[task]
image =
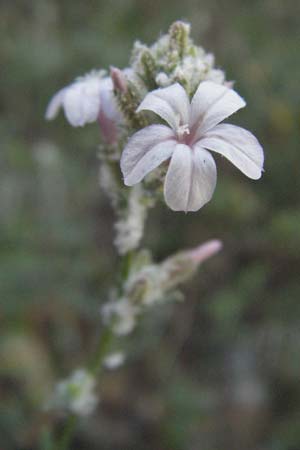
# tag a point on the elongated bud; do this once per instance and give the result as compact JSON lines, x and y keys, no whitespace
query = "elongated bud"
{"x":128,"y":103}
{"x":183,"y":265}
{"x":199,"y":254}
{"x":149,"y":68}
{"x":118,"y":79}
{"x":179,"y":33}
{"x":155,"y":280}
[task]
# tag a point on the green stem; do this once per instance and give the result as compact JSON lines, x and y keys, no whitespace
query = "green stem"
{"x":101,"y":351}
{"x":126,"y":264}
{"x":68,"y":432}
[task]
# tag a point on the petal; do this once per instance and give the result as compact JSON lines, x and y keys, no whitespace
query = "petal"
{"x":190,"y":180}
{"x":152,"y":159}
{"x":55,"y":104}
{"x":140,"y":143}
{"x":91,"y":100}
{"x":211,"y":104}
{"x":82,"y":102}
{"x":73,"y":105}
{"x":204,"y":179}
{"x":178,"y":178}
{"x":239,"y":146}
{"x":109,"y":104}
{"x":170,"y":103}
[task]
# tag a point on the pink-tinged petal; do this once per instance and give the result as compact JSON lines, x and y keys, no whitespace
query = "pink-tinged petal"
{"x":55,"y":104}
{"x":211,"y":104}
{"x":170,"y":103}
{"x":140,"y":143}
{"x":190,"y":180}
{"x":239,"y":146}
{"x":152,"y":159}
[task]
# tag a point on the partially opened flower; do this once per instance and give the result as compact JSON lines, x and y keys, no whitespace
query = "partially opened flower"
{"x":88,"y":99}
{"x":194,"y":128}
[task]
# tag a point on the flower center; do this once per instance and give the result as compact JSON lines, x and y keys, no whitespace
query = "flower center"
{"x":182,"y":131}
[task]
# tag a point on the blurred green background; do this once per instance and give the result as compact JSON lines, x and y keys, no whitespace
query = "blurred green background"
{"x":222,"y":370}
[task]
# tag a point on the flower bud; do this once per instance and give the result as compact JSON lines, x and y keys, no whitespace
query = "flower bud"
{"x":118,"y":79}
{"x":182,"y":266}
{"x":204,"y":251}
{"x":153,"y":281}
{"x":179,"y":33}
{"x":148,"y":65}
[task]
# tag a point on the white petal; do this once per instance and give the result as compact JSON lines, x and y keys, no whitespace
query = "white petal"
{"x":211,"y":104}
{"x":170,"y":103}
{"x":140,"y":143}
{"x":190,"y":180}
{"x":239,"y":146}
{"x":178,"y":178}
{"x":204,"y":179}
{"x":108,"y":101}
{"x":82,"y":102}
{"x":55,"y":104}
{"x":152,"y":159}
{"x":73,"y":105}
{"x":91,"y":98}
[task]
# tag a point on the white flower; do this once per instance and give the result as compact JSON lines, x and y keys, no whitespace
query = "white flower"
{"x":194,"y":128}
{"x":84,"y":100}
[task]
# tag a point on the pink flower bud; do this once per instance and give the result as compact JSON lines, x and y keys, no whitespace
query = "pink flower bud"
{"x":205,"y":251}
{"x":180,"y":267}
{"x":118,"y":79}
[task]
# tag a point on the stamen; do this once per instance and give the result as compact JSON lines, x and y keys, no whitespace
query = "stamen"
{"x":183,"y":130}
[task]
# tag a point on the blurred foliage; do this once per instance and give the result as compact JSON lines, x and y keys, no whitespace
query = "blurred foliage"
{"x":220,"y":371}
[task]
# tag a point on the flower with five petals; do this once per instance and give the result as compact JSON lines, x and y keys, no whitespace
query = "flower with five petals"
{"x":194,"y":130}
{"x":88,"y":99}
